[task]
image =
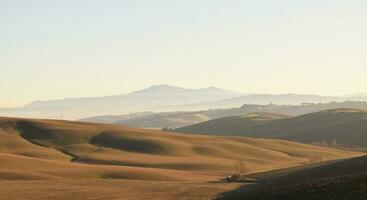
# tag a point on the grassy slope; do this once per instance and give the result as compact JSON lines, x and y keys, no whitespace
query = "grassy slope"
{"x":50,"y":153}
{"x":164,"y":120}
{"x":110,"y":189}
{"x":115,"y":145}
{"x":346,"y":126}
{"x":345,"y":179}
{"x":152,"y":120}
{"x":234,"y":125}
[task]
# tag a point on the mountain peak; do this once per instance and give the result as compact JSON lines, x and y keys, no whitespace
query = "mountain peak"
{"x":161,"y":88}
{"x":212,"y":88}
{"x":164,"y":88}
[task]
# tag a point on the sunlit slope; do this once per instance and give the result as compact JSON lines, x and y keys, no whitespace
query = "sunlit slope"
{"x":58,"y":149}
{"x":12,"y":142}
{"x":14,"y":167}
{"x":339,"y":126}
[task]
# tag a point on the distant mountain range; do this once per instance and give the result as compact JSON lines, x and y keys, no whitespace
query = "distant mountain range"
{"x":159,"y":98}
{"x":155,"y":98}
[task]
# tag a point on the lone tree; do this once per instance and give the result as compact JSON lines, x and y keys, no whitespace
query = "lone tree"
{"x":239,"y":171}
{"x":239,"y":167}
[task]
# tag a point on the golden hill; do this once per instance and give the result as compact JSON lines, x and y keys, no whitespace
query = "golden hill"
{"x":54,"y":151}
{"x":111,"y":145}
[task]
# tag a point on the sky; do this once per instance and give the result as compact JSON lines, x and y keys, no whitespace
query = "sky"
{"x":51,"y":49}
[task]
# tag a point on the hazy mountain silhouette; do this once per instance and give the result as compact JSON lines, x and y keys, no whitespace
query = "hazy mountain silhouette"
{"x":150,"y":99}
{"x":159,"y":98}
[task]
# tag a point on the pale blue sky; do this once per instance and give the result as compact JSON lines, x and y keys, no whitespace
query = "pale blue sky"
{"x":53,"y":49}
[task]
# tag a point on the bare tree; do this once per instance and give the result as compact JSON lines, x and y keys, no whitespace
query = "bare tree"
{"x":239,"y":171}
{"x":334,"y":142}
{"x":239,"y":167}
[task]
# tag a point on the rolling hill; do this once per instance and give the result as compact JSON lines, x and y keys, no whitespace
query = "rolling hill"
{"x":232,"y":125}
{"x":344,"y":180}
{"x":347,"y":127}
{"x":66,"y":156}
{"x":180,"y":119}
{"x":152,"y":120}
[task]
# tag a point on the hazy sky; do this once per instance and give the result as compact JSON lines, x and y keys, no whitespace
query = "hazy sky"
{"x":69,"y":48}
